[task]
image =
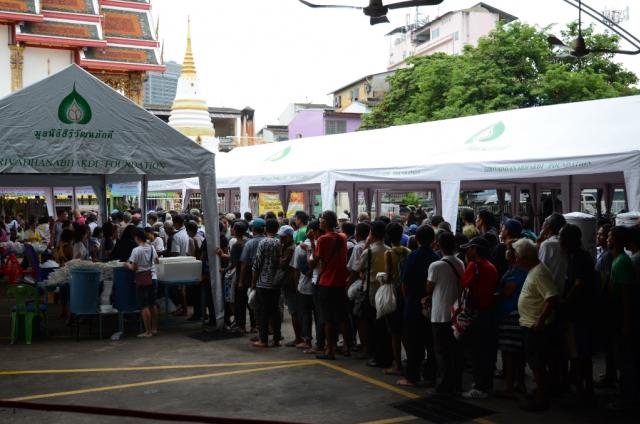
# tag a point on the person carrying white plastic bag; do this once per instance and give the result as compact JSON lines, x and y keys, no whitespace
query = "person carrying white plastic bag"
{"x":386,"y":302}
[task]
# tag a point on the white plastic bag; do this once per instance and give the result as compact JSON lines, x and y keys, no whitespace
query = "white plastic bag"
{"x":253,"y":302}
{"x":385,"y":300}
{"x":354,"y":289}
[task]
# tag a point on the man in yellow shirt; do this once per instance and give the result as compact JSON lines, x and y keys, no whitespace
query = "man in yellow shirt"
{"x":536,"y":304}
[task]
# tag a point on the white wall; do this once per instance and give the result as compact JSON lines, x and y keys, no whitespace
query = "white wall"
{"x":5,"y":58}
{"x":40,"y":63}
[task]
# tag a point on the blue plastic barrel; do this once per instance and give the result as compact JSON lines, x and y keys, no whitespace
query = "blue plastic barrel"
{"x":84,"y":290}
{"x":124,"y":290}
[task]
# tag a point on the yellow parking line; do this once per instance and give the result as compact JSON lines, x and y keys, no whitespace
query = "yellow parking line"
{"x":156,"y":382}
{"x":370,"y":380}
{"x":151,"y":368}
{"x":403,"y":419}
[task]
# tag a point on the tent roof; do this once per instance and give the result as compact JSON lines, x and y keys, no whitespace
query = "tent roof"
{"x":576,"y":138}
{"x":72,"y":123}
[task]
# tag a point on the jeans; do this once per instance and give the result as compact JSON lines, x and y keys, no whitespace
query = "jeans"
{"x":305,"y":311}
{"x":481,"y":345}
{"x":320,"y":341}
{"x":414,"y":334}
{"x":268,"y":312}
{"x":449,"y":358}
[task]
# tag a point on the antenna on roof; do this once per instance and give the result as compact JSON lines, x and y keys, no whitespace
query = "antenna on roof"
{"x":616,"y":16}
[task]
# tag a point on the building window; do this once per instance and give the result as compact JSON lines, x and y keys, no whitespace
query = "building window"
{"x":435,"y":33}
{"x":337,"y":102}
{"x":335,"y":126}
{"x":355,"y":93}
{"x":456,"y":35}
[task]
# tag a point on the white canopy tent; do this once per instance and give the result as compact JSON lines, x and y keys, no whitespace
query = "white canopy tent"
{"x":584,"y":138}
{"x":71,"y":129}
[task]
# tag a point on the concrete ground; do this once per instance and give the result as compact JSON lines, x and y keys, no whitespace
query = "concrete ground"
{"x":174,"y":373}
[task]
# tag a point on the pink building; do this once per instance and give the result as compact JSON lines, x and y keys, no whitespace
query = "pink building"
{"x":448,"y":33}
{"x":318,"y":122}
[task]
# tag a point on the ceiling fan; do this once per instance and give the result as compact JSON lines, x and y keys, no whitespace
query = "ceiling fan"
{"x":579,"y":48}
{"x":377,"y":11}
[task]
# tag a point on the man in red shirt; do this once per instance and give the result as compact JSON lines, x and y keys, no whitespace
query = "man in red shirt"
{"x":331,"y":252}
{"x":481,"y":277}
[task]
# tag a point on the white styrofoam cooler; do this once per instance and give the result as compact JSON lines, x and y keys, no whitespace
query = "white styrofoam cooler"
{"x":183,"y":268}
{"x":588,"y":226}
{"x":628,"y":219}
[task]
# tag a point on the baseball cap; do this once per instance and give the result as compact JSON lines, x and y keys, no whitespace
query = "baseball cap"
{"x":480,"y":242}
{"x":343,"y":217}
{"x":285,"y":230}
{"x":258,"y":223}
{"x":230,"y":217}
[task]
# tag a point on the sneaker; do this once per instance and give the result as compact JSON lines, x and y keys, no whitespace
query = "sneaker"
{"x":475,"y":394}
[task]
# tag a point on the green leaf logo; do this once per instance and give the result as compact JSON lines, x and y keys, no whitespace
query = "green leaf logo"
{"x":487,"y":134}
{"x":74,"y":109}
{"x":279,"y":156}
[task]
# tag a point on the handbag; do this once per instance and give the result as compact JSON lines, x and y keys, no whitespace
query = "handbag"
{"x":143,"y":278}
{"x":463,"y":313}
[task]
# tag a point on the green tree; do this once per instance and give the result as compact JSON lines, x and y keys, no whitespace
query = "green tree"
{"x":513,"y":67}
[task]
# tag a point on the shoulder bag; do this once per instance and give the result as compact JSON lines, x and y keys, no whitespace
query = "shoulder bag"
{"x":361,"y":301}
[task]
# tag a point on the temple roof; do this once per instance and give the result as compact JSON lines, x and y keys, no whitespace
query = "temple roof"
{"x":61,"y":32}
{"x":87,"y":7}
{"x":26,"y":10}
{"x":120,"y":58}
{"x":129,"y":26}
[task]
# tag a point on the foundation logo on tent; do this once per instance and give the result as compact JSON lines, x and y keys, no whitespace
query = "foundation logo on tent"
{"x":74,"y":109}
{"x":279,"y":155}
{"x":487,"y":138}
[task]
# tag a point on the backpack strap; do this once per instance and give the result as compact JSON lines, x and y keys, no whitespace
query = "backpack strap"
{"x":452,"y":267}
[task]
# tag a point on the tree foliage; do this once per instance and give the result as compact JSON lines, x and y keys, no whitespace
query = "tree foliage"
{"x":513,"y":67}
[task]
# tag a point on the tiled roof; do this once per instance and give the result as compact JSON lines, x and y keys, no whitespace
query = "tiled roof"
{"x":132,"y":24}
{"x":70,"y":6}
{"x":61,"y":32}
{"x":20,"y":9}
{"x":121,"y":58}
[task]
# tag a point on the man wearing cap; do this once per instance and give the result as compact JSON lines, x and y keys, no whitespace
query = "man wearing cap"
{"x":180,"y":243}
{"x":285,"y":234}
{"x":228,"y":223}
{"x":480,"y":339}
{"x":550,"y":252}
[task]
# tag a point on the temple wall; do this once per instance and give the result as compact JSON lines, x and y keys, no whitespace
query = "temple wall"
{"x":39,"y":63}
{"x":5,"y":61}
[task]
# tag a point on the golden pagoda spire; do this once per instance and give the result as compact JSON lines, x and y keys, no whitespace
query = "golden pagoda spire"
{"x":188,"y":65}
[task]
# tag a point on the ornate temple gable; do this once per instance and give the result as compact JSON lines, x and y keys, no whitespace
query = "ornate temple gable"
{"x":121,"y":58}
{"x":23,"y":10}
{"x":127,"y":26}
{"x":61,"y":32}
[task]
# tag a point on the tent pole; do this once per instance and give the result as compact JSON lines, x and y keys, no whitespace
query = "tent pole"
{"x":143,"y":199}
{"x":105,"y":201}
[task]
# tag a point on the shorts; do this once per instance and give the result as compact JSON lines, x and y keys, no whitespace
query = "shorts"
{"x":230,"y":289}
{"x":333,"y":304}
{"x":292,"y":301}
{"x":536,"y":347}
{"x":146,"y":296}
{"x":394,"y":323}
{"x":510,"y":333}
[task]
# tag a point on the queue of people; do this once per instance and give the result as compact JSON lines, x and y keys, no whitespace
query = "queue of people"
{"x":540,"y":301}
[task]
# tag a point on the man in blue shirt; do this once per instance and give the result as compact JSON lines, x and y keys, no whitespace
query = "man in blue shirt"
{"x":416,"y":327}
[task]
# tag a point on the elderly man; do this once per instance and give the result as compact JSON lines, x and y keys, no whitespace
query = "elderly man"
{"x":536,"y":304}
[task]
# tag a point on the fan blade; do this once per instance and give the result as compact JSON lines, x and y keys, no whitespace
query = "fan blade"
{"x":555,"y":41}
{"x":333,"y":6}
{"x":414,"y":3}
{"x":375,"y":20}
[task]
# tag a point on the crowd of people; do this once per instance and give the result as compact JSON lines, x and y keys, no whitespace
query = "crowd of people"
{"x":457,"y":300}
{"x":460,"y":300}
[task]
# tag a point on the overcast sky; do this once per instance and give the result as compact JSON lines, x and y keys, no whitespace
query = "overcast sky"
{"x":269,"y":53}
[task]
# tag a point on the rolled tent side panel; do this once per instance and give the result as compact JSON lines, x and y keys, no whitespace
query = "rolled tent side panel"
{"x":632,"y":183}
{"x":51,"y":210}
{"x":327,"y":191}
{"x":244,"y":199}
{"x":210,"y":208}
{"x":100,"y":190}
{"x":450,"y":192}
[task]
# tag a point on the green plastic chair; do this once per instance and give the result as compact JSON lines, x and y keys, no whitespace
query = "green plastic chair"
{"x":27,"y":306}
